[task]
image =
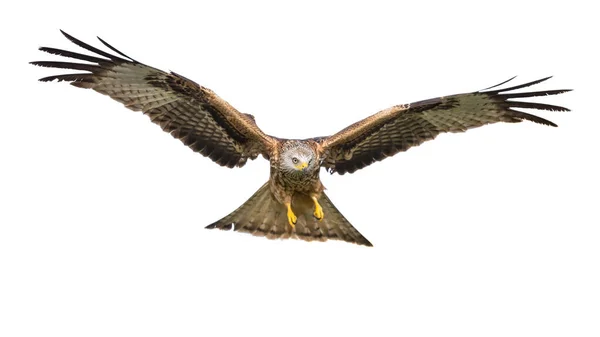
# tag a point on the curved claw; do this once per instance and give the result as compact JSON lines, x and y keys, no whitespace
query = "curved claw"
{"x":291,"y":216}
{"x":318,"y":210}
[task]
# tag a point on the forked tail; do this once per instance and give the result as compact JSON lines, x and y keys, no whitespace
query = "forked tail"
{"x":263,"y":215}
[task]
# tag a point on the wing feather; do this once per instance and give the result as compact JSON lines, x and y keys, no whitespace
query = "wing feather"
{"x":189,"y":112}
{"x":403,"y":126}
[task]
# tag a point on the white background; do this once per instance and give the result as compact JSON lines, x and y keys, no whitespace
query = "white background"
{"x":493,"y":232}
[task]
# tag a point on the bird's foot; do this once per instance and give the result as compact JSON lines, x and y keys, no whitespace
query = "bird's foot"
{"x":318,"y":210}
{"x":291,"y":216}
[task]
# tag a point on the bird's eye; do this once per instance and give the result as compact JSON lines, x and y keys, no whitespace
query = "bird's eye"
{"x":295,"y":160}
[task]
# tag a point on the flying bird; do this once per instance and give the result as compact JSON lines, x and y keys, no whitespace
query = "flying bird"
{"x":292,"y":203}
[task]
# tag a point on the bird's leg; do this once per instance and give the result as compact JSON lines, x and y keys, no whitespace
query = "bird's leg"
{"x":290,"y":215}
{"x":318,"y":209}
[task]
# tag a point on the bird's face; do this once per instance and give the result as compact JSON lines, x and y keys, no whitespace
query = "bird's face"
{"x":299,"y":159}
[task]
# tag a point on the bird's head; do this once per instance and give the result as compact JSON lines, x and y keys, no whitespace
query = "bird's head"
{"x":298,"y":157}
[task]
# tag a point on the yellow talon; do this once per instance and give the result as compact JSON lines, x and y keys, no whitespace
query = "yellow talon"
{"x":291,"y":216}
{"x":318,"y":210}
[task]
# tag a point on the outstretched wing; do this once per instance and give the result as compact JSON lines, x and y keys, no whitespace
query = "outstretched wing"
{"x":403,"y":126}
{"x":192,"y":113}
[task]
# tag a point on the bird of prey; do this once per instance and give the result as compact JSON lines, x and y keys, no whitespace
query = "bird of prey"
{"x":292,"y":203}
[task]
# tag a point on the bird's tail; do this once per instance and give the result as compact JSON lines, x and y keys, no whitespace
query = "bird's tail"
{"x":263,"y":215}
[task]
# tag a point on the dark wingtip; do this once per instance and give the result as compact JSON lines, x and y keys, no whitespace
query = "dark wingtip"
{"x":66,"y":35}
{"x":115,"y":49}
{"x":96,"y":50}
{"x":499,"y":84}
{"x":520,"y":115}
{"x":43,"y":79}
{"x":497,"y":91}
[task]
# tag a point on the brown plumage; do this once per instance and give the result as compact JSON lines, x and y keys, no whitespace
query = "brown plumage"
{"x":292,"y":202}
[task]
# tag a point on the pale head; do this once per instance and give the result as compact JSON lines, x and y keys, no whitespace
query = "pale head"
{"x":298,"y":157}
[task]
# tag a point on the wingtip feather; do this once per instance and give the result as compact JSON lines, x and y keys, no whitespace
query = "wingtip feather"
{"x":115,"y":49}
{"x":499,"y":84}
{"x":528,"y":84}
{"x":68,"y":36}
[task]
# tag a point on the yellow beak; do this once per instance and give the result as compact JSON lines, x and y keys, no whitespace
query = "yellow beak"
{"x":301,"y":166}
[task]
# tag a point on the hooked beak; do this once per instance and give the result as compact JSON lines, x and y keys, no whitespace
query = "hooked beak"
{"x":302,"y":166}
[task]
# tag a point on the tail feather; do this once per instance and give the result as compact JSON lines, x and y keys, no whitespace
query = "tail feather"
{"x":262,"y":215}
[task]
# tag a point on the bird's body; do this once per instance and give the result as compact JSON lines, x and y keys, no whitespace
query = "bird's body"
{"x":292,"y":203}
{"x":287,"y":177}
